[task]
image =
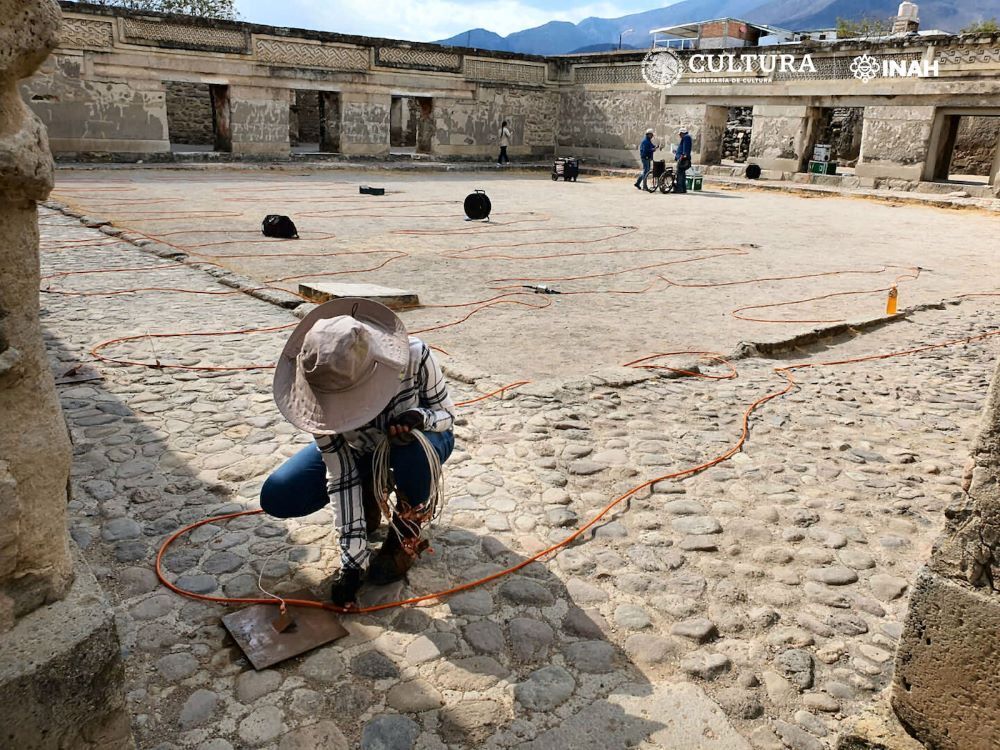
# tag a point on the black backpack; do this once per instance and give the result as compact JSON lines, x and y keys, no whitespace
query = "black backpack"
{"x":275,"y":225}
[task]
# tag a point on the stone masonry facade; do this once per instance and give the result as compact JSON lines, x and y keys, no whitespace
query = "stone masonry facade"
{"x":109,"y":89}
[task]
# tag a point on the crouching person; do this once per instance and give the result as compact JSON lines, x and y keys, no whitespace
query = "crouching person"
{"x":351,"y":377}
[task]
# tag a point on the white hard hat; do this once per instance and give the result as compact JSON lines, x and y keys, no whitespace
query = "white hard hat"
{"x":650,"y":131}
{"x":683,"y":130}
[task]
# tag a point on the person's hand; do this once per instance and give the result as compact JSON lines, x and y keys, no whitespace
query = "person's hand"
{"x":406,"y":423}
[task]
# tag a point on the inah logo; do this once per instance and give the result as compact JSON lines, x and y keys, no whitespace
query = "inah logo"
{"x":661,"y":69}
{"x":865,"y":67}
{"x":868,"y":67}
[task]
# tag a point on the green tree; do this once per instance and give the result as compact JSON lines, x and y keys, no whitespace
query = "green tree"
{"x":864,"y":27}
{"x":986,"y":26}
{"x":204,"y":8}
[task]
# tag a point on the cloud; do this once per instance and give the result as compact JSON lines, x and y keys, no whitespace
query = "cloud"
{"x":425,"y":20}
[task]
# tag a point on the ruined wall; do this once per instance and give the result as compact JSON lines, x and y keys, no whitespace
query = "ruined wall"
{"x":976,"y":145}
{"x":104,"y":93}
{"x":86,"y":113}
{"x":364,"y":128}
{"x":895,"y":141}
{"x":947,"y":684}
{"x":467,"y":127}
{"x":259,"y":120}
{"x":782,"y":137}
{"x":189,"y":113}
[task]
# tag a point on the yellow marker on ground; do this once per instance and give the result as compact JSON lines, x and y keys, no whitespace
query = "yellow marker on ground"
{"x":890,"y":304}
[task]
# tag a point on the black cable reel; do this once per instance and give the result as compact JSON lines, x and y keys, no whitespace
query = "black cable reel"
{"x":478,"y":206}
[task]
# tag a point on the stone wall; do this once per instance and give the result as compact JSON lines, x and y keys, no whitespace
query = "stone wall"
{"x":976,"y":145}
{"x":465,"y":127}
{"x":783,"y":137}
{"x":365,"y":124}
{"x":947,"y":683}
{"x":97,"y":114}
{"x":104,"y":93}
{"x":604,"y":123}
{"x":189,"y":113}
{"x":895,"y":141}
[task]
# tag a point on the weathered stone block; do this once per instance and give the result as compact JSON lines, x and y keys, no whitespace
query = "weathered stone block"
{"x":61,"y":675}
{"x":947,"y":683}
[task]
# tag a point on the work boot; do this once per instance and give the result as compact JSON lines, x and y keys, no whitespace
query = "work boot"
{"x":344,"y":590}
{"x":395,"y":558}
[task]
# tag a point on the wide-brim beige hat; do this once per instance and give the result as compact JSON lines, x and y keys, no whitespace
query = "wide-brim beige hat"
{"x":341,"y":366}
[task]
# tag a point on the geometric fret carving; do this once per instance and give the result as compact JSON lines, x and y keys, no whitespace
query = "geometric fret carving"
{"x":610,"y":74}
{"x":136,"y":31}
{"x":507,"y":72}
{"x":311,"y":55}
{"x":79,"y":32}
{"x":968,"y":53}
{"x":404,"y":57}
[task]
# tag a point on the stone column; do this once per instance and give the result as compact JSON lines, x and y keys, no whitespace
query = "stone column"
{"x":782,"y":137}
{"x":947,"y":682}
{"x":364,"y":124}
{"x":713,"y":132}
{"x":60,"y":663}
{"x":35,"y":565}
{"x":896,"y":142}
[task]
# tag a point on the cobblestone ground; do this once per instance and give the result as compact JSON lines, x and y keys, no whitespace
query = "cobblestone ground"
{"x":755,"y":605}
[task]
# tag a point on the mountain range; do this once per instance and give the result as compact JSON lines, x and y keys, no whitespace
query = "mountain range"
{"x":598,"y":34}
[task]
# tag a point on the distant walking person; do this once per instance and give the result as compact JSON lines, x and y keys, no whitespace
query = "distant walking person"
{"x":683,"y":157}
{"x":646,"y":150}
{"x":504,"y":143}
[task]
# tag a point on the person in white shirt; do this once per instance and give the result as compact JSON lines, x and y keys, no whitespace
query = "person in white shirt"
{"x":504,"y":143}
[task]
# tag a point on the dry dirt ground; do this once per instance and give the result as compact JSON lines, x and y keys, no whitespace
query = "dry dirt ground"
{"x":621,"y":258}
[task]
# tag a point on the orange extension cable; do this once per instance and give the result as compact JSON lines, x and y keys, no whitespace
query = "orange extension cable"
{"x":647,"y":362}
{"x":786,"y":372}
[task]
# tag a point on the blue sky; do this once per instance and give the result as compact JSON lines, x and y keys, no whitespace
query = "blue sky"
{"x":427,"y":20}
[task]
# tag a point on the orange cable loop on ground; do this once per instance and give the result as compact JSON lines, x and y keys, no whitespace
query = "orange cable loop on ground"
{"x":785,"y":372}
{"x":95,"y":352}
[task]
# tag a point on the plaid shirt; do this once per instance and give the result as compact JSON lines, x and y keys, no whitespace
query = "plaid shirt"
{"x":422,"y":387}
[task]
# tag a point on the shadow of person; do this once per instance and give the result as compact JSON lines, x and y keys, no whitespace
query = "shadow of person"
{"x":515,"y":662}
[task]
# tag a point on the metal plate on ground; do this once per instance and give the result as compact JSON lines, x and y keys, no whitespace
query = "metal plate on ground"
{"x":254,"y":632}
{"x":394,"y":299}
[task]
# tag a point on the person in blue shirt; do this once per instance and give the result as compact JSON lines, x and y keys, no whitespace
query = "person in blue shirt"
{"x":683,"y":157}
{"x":646,"y":149}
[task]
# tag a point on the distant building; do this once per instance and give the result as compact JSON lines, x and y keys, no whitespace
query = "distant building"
{"x":817,"y":35}
{"x":720,"y":33}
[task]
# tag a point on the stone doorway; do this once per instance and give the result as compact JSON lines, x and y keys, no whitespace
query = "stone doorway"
{"x":969,"y":150}
{"x":840,"y":129}
{"x":198,"y":117}
{"x":314,"y":121}
{"x":411,"y":129}
{"x":734,"y":136}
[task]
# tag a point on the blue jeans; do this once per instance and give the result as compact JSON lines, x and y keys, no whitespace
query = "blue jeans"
{"x":681,"y":179}
{"x":647,"y":164}
{"x":298,"y":486}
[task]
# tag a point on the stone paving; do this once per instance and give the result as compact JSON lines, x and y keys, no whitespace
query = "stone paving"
{"x":754,"y":605}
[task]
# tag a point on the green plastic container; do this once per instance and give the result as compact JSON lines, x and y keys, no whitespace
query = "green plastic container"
{"x":823,"y":167}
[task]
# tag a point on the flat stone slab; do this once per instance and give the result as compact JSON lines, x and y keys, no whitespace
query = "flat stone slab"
{"x":394,"y":299}
{"x":680,"y":715}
